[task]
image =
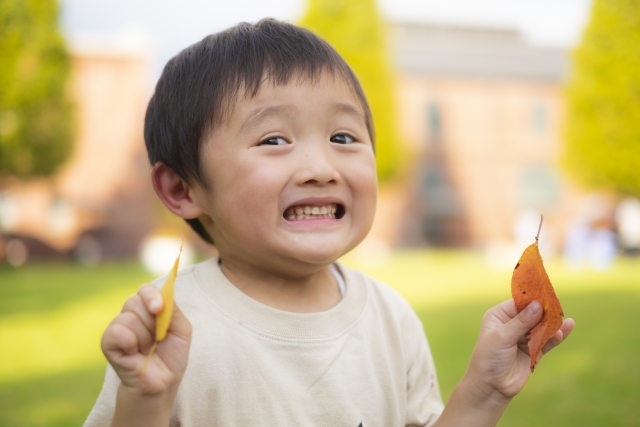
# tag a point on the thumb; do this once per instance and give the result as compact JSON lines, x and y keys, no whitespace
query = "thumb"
{"x":180,"y":325}
{"x":523,"y":322}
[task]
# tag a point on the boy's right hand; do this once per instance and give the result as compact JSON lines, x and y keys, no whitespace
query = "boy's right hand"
{"x":129,"y":337}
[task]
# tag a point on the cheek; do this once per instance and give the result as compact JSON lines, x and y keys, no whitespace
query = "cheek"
{"x":363,"y":181}
{"x":366,"y":178}
{"x":251,"y":191}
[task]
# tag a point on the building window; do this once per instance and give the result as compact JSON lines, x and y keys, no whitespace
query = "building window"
{"x":540,"y":119}
{"x":434,"y":122}
{"x":539,"y":187}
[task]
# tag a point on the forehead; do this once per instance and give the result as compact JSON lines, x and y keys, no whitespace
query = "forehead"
{"x":326,"y":90}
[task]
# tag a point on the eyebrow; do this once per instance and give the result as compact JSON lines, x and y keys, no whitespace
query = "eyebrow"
{"x":261,"y":114}
{"x":350,"y":110}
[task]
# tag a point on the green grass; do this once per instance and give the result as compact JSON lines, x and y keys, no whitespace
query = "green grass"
{"x":52,"y":316}
{"x":591,"y":380}
{"x":60,"y":400}
{"x":44,"y":288}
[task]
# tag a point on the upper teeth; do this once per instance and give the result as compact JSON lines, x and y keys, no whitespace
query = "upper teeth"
{"x":311,"y":212}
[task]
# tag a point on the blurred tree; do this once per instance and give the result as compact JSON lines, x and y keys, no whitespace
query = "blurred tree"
{"x":354,"y":28}
{"x":36,"y":126}
{"x":603,"y":126}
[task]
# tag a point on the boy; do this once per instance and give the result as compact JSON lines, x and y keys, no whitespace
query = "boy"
{"x":262,"y":139}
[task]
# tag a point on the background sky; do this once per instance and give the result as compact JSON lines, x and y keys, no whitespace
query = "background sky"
{"x":167,"y":26}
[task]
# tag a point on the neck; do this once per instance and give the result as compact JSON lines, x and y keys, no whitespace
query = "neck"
{"x":309,"y":293}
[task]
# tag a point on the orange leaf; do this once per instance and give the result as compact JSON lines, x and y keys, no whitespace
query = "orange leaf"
{"x":529,"y":283}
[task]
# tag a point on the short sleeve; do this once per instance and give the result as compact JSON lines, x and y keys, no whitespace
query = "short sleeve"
{"x":424,"y":402}
{"x":102,"y":413}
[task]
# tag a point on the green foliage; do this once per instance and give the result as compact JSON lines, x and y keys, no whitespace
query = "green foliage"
{"x":355,"y":29}
{"x":603,"y":127}
{"x":36,"y":128}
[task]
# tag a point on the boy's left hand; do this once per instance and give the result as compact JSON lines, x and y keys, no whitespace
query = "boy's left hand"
{"x":500,"y":364}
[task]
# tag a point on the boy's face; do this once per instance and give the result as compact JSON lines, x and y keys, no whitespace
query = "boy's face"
{"x":281,"y":160}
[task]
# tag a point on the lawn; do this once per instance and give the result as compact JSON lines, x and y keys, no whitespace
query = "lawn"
{"x":52,"y":316}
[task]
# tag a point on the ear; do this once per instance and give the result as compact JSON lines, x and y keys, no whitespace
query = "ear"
{"x":174,"y":192}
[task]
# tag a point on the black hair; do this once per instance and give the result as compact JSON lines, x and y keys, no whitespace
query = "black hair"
{"x":198,"y":87}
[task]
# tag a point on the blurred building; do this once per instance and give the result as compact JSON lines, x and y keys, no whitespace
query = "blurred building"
{"x":99,"y":204}
{"x":480,"y":109}
{"x":483,"y":111}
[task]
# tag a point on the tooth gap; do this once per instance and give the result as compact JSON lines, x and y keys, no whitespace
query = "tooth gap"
{"x":339,"y":212}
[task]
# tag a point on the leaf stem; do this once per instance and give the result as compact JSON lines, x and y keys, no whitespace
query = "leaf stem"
{"x":146,"y":362}
{"x":539,"y":227}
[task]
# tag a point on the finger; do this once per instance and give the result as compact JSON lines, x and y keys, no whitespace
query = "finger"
{"x":560,"y":335}
{"x":524,"y":348}
{"x":508,"y":307}
{"x":180,"y":325}
{"x":118,"y":339}
{"x":524,"y":341}
{"x":522,"y":323}
{"x":136,"y":305}
{"x":152,"y":298}
{"x":144,"y":335}
{"x":502,"y":312}
{"x":174,"y":349}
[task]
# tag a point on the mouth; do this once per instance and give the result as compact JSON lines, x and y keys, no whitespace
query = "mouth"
{"x":307,"y":212}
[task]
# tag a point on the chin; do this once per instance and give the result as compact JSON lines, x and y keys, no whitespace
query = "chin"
{"x":316,"y":257}
{"x":320,"y":249}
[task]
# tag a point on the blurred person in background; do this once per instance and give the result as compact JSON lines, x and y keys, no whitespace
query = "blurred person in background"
{"x":628,"y":225}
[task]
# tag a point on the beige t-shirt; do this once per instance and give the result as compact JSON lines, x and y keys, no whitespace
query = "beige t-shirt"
{"x":365,"y":361}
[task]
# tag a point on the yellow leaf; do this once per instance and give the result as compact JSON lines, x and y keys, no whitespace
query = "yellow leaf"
{"x":163,"y":319}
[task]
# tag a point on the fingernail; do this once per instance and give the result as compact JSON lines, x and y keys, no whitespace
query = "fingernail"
{"x":534,"y":307}
{"x":155,"y":305}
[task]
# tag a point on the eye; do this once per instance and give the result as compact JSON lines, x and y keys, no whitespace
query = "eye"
{"x":342,"y":138}
{"x":276,"y":140}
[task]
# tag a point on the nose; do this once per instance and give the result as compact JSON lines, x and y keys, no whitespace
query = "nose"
{"x":316,"y":165}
